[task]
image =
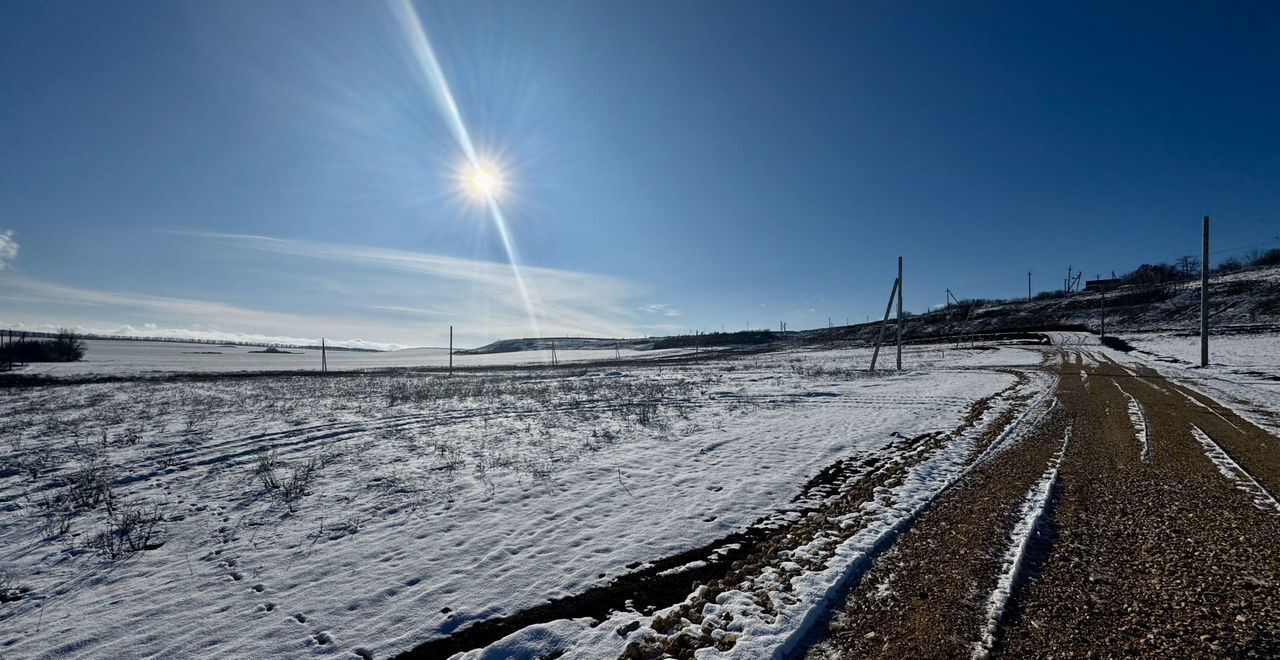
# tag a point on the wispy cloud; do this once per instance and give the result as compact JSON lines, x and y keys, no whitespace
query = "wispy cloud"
{"x":99,"y":312}
{"x":469,"y":290}
{"x":304,"y":290}
{"x":8,"y":249}
{"x":660,"y":308}
{"x":154,"y":331}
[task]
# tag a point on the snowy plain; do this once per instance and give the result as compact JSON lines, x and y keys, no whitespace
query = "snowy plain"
{"x":429,"y":502}
{"x":107,"y":357}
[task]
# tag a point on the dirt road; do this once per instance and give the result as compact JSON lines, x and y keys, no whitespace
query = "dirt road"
{"x":1138,"y":519}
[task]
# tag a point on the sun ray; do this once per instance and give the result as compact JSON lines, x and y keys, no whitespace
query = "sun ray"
{"x":483,"y":179}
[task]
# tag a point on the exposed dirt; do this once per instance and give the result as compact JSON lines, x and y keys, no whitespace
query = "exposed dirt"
{"x":1142,"y":555}
{"x":1158,"y":558}
{"x":927,"y":597}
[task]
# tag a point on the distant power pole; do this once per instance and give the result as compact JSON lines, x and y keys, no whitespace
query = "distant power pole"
{"x":324,"y":356}
{"x":900,"y":319}
{"x":1204,"y":296}
{"x":450,"y":350}
{"x":1028,"y":285}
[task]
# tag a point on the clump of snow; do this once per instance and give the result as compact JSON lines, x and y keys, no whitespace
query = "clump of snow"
{"x":1139,"y":420}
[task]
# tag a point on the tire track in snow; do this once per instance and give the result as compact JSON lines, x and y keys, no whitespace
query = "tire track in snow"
{"x":1139,"y":419}
{"x":1232,"y":470}
{"x":1032,"y":514}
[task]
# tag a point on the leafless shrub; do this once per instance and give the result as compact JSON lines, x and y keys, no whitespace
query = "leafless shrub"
{"x":600,"y":438}
{"x":167,"y":458}
{"x":56,"y":520}
{"x":10,"y":591}
{"x":89,"y":485}
{"x":131,"y":435}
{"x":300,"y":477}
{"x":265,"y":470}
{"x":129,"y":528}
{"x":291,"y":487}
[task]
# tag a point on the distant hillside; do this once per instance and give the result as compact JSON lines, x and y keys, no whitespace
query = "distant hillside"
{"x":560,"y":344}
{"x":1244,"y":298}
{"x":1241,"y":299}
{"x":181,"y":340}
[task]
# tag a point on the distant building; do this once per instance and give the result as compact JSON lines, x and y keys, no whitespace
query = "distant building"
{"x":1101,"y":285}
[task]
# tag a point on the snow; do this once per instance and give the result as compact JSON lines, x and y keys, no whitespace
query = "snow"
{"x":436,"y":502}
{"x":1236,"y":352}
{"x":1232,"y":471}
{"x":1033,"y":509}
{"x":1139,"y":420}
{"x":108,"y":357}
{"x":797,"y":598}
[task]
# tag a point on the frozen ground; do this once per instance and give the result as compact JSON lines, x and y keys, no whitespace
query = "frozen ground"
{"x":123,"y":357}
{"x":362,"y":515}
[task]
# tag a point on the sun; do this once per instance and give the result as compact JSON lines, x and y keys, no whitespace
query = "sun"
{"x":484,"y":181}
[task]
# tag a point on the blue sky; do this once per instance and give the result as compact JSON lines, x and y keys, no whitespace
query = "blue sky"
{"x":284,"y":169}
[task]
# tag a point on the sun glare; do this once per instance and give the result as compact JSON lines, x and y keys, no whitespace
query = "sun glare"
{"x":484,"y":181}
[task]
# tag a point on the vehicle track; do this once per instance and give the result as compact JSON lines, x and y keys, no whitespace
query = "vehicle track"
{"x":1168,"y":551}
{"x":928,"y":597}
{"x":1165,"y":558}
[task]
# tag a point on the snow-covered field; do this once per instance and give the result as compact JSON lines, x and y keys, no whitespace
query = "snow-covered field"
{"x":361,"y":515}
{"x":129,"y":357}
{"x":1237,"y":352}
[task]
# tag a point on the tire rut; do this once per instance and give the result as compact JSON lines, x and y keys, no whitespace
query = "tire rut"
{"x":928,"y":596}
{"x":1158,"y":559}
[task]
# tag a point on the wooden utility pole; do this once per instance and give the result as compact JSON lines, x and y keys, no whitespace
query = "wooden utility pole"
{"x":324,"y":356}
{"x":893,"y":293}
{"x":900,"y":314}
{"x":1204,"y":296}
{"x":450,"y":350}
{"x":1028,"y":285}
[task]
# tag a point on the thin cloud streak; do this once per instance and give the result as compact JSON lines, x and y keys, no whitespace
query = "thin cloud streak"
{"x":8,"y":249}
{"x":569,"y":302}
{"x":404,"y":298}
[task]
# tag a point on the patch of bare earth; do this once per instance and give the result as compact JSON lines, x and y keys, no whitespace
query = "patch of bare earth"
{"x":1157,"y":558}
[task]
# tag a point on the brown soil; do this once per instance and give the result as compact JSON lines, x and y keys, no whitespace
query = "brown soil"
{"x":1141,"y":557}
{"x":1151,"y":559}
